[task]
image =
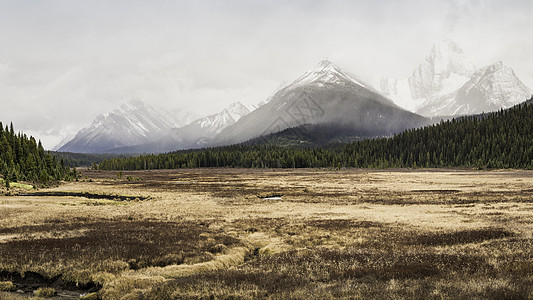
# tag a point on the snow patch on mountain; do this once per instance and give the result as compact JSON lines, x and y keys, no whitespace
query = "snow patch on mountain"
{"x":399,"y":91}
{"x":327,"y":73}
{"x":215,"y":123}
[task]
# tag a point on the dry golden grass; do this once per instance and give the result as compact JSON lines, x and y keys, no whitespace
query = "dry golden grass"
{"x":333,"y":234}
{"x":13,"y":296}
{"x":7,"y":286}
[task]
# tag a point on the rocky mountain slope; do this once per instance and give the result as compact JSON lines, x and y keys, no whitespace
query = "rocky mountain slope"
{"x":490,"y":88}
{"x":324,"y":95}
{"x":447,"y":84}
{"x":134,"y":122}
{"x":444,"y":70}
{"x":197,"y":134}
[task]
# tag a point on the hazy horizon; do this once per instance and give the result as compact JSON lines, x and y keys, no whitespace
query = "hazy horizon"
{"x":64,"y":62}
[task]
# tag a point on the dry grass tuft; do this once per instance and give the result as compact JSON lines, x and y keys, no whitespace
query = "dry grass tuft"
{"x":12,"y":296}
{"x":7,"y":286}
{"x":45,"y":292}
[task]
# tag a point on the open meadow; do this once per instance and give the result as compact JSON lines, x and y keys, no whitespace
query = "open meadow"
{"x":283,"y":233}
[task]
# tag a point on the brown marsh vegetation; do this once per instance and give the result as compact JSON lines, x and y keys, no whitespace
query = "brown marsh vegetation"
{"x":213,"y":233}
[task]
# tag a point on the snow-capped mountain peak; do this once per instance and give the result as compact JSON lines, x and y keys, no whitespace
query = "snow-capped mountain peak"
{"x":236,"y":110}
{"x":196,"y":134}
{"x":215,"y":123}
{"x":324,"y":95}
{"x":498,"y":84}
{"x":444,"y":70}
{"x":490,"y":88}
{"x":327,"y":73}
{"x":199,"y":132}
{"x":134,"y":122}
{"x":141,"y":118}
{"x":131,"y":105}
{"x":447,"y":57}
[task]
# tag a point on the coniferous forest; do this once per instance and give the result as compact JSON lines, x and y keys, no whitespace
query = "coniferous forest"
{"x":502,"y":139}
{"x":22,"y":158}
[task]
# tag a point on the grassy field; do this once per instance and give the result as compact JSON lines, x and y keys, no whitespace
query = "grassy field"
{"x":300,"y":234}
{"x":16,"y":185}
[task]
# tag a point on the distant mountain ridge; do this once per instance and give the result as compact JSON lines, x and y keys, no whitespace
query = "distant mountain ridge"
{"x":444,"y":70}
{"x":328,"y":73}
{"x":447,"y":83}
{"x":489,"y":89}
{"x":134,"y":122}
{"x":197,"y":134}
{"x":215,"y":123}
{"x":201,"y":132}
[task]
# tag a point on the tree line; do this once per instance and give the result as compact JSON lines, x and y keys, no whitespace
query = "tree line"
{"x":22,"y":158}
{"x":502,"y":139}
{"x":85,"y":159}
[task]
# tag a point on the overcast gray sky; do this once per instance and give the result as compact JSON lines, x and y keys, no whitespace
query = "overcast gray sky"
{"x":63,"y":62}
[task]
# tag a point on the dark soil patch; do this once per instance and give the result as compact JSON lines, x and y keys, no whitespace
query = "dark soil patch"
{"x":342,"y":224}
{"x":436,"y":191}
{"x":32,"y":281}
{"x":85,"y":195}
{"x":460,"y":237}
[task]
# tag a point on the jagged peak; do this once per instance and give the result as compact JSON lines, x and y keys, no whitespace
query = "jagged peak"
{"x":497,"y":66}
{"x":326,"y":64}
{"x":327,"y":72}
{"x":446,"y":45}
{"x":135,"y":101}
{"x":236,"y":106}
{"x":132,"y":104}
{"x":446,"y":56}
{"x":490,"y":88}
{"x":444,"y":49}
{"x":99,"y":119}
{"x":496,"y":74}
{"x":236,"y":109}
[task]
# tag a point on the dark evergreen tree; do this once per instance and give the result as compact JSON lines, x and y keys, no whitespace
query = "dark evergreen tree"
{"x":22,"y":158}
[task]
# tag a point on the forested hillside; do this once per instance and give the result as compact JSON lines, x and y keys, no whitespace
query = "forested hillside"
{"x":502,"y":139}
{"x":23,"y":158}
